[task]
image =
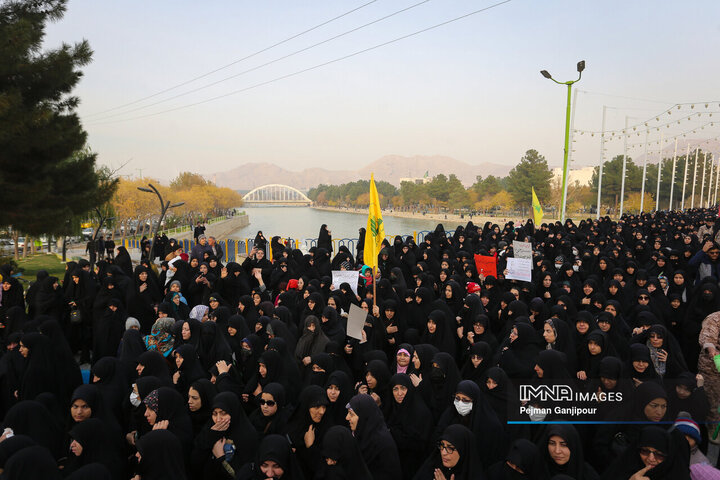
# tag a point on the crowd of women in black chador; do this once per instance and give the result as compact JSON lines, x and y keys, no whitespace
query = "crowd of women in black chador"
{"x":204,"y":370}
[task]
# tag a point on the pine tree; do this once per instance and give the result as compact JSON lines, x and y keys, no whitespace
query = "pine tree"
{"x":46,"y":176}
{"x":532,"y":171}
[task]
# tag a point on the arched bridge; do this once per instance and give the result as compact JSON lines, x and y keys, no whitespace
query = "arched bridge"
{"x":276,"y":194}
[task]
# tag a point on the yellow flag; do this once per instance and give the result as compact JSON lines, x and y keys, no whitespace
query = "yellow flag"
{"x":537,"y":209}
{"x":375,"y":232}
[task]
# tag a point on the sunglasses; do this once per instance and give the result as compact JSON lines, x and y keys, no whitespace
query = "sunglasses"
{"x":644,"y":297}
{"x":269,"y":403}
{"x":644,"y":451}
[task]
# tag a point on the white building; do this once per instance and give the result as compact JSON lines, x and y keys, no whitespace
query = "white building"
{"x":582,"y":175}
{"x":416,"y":180}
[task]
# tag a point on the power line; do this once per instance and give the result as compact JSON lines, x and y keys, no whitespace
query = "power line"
{"x":236,"y":61}
{"x":208,"y":85}
{"x":299,"y":72}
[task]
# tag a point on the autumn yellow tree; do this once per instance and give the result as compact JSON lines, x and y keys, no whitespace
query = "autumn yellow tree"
{"x":130,"y":204}
{"x":201,"y":199}
{"x":502,"y":200}
{"x":632,"y":203}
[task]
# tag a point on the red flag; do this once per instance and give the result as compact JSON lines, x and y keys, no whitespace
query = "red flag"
{"x":486,"y":265}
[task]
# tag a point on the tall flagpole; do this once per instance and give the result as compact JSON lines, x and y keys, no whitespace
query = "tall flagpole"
{"x":710,"y":180}
{"x":717,"y":180}
{"x":672,"y":183}
{"x":702,"y":185}
{"x":687,"y":160}
{"x":642,"y":186}
{"x":657,"y":195}
{"x":602,"y":161}
{"x":692,"y":201}
{"x":624,"y":169}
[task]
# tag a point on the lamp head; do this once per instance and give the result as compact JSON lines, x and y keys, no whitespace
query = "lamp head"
{"x":581,"y":66}
{"x":546,"y":74}
{"x":145,"y":189}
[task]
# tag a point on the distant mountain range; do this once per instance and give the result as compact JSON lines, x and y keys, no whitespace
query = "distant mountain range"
{"x":390,"y":168}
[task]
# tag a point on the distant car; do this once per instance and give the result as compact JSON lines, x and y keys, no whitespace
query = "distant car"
{"x":87,"y":233}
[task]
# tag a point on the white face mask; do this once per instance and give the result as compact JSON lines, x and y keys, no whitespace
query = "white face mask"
{"x":134,"y":399}
{"x":537,"y":416}
{"x":463,"y":408}
{"x":576,"y":268}
{"x":558,"y":266}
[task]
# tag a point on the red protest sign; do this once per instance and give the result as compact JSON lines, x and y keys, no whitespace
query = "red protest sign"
{"x":486,"y":265}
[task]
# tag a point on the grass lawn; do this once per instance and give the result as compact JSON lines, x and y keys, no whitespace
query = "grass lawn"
{"x":31,"y":265}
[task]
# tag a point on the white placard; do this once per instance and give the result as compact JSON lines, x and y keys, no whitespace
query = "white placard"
{"x":522,"y":250}
{"x":519,"y":269}
{"x":356,"y":322}
{"x":342,"y":276}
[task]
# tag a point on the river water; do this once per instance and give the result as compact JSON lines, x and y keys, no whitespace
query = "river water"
{"x":304,"y":222}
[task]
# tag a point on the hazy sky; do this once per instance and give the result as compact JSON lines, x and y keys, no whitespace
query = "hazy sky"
{"x":470,"y":89}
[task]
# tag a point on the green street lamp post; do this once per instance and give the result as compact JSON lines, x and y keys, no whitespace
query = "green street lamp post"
{"x":546,"y":74}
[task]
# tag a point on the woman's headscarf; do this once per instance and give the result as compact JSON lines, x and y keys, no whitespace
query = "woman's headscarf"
{"x":31,"y":463}
{"x":468,"y":465}
{"x":161,"y":338}
{"x":575,"y":467}
{"x":98,"y":446}
{"x":161,"y":456}
{"x":276,"y":448}
{"x":340,"y":445}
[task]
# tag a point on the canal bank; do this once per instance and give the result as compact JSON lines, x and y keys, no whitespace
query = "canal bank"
{"x":220,"y":230}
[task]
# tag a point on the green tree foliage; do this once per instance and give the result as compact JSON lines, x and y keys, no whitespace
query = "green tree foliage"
{"x":459,"y":199}
{"x":612,"y":179}
{"x":487,"y":187}
{"x":441,"y":188}
{"x":414,"y":194}
{"x":438,"y":188}
{"x":47,"y":178}
{"x":349,"y":193}
{"x":532,"y":171}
